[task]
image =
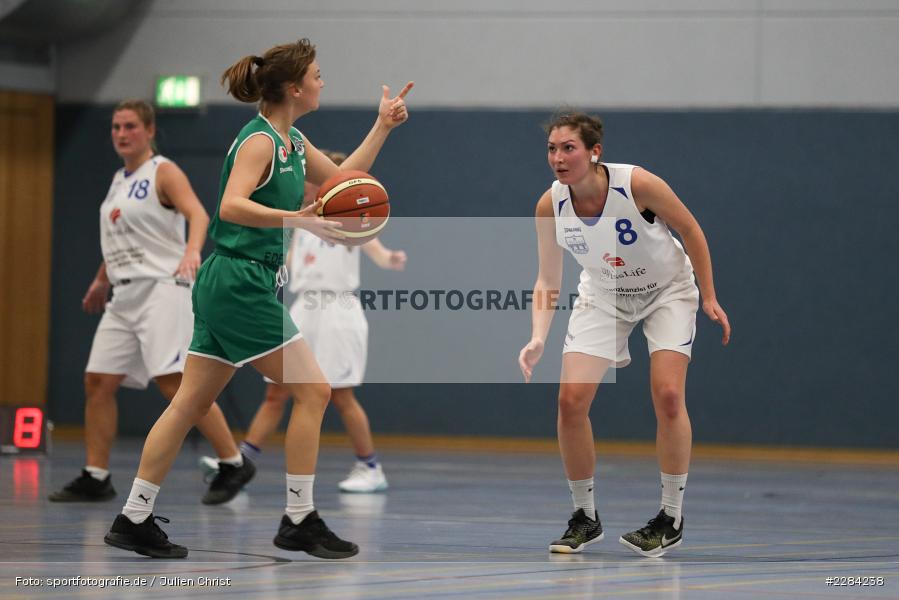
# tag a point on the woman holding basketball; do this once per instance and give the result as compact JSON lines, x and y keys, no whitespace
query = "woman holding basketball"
{"x":323,"y":279}
{"x":238,"y":318}
{"x":614,"y":219}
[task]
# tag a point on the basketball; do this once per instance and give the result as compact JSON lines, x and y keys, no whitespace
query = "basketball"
{"x":358,"y":201}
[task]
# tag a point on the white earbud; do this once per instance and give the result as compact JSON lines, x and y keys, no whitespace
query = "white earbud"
{"x":594,"y":159}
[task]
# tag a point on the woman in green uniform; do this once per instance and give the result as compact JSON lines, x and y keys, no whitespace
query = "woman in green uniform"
{"x":238,"y":319}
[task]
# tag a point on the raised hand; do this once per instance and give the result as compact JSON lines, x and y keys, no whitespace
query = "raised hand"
{"x":393,"y":111}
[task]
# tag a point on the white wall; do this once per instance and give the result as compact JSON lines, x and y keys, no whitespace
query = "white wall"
{"x":526,"y":53}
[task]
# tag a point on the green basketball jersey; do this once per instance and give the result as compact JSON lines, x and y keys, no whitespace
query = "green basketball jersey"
{"x":282,"y":189}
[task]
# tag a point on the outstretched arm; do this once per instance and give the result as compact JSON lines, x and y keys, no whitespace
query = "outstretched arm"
{"x":653,"y":193}
{"x":394,"y":260}
{"x":546,"y":288}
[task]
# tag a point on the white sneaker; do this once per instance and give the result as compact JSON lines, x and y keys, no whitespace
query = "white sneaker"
{"x":364,"y":480}
{"x":209,"y":466}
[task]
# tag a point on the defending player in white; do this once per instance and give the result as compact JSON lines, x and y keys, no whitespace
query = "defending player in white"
{"x":614,"y":219}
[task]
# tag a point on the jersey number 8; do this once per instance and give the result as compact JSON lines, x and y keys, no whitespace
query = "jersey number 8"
{"x":626,"y":235}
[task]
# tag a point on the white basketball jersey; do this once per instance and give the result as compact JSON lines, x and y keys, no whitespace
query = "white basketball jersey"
{"x":317,"y":265}
{"x":619,"y":250}
{"x":140,"y":238}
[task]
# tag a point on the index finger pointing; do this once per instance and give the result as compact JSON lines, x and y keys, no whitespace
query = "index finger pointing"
{"x":406,"y":89}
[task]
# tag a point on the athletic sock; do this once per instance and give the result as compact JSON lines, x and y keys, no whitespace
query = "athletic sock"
{"x":299,"y":497}
{"x":371,"y":460}
{"x":97,"y":473}
{"x":673,"y":495}
{"x":251,"y":451}
{"x":582,"y":495}
{"x":140,"y":500}
{"x":234,"y":461}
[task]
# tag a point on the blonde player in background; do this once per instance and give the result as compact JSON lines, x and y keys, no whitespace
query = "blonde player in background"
{"x":324,"y":277}
{"x":614,"y":220}
{"x":146,"y":327}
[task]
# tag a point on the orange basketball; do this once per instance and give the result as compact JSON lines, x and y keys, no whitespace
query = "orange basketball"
{"x":358,"y":201}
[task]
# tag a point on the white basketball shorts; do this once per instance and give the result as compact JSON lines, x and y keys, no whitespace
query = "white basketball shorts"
{"x":335,"y":327}
{"x":601,"y":322}
{"x":144,"y":333}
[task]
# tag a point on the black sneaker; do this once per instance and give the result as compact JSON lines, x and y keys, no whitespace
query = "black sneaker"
{"x":85,"y":489}
{"x":658,"y":537}
{"x":229,"y":481}
{"x":144,"y":538}
{"x":313,"y":537}
{"x":582,"y":531}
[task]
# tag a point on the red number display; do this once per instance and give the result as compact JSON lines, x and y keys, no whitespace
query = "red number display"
{"x":27,"y":429}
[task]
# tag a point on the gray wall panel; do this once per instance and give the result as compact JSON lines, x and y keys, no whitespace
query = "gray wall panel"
{"x":652,"y":54}
{"x":796,"y":206}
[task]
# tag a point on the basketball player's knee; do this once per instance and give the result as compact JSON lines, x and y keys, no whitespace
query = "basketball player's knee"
{"x":189,"y":408}
{"x":98,"y":387}
{"x":343,"y":402}
{"x":669,"y":401}
{"x":315,"y":395}
{"x":276,"y":397}
{"x":574,"y":404}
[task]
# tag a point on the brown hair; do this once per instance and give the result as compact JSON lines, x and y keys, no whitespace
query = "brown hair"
{"x":142,"y":108}
{"x":283,"y":64}
{"x":144,"y":111}
{"x":588,"y":127}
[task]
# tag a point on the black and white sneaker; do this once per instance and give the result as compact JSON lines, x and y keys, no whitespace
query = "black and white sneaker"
{"x":313,"y":537}
{"x":582,"y":531}
{"x":229,"y":481}
{"x":85,"y":488}
{"x":145,"y":538}
{"x":656,"y":538}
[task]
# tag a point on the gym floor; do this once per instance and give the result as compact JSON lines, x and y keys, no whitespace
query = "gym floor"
{"x":466,"y":524}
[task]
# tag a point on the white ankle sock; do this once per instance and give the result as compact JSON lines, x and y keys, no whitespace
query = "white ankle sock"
{"x":673,"y":495}
{"x":97,"y":473}
{"x":299,"y":497}
{"x":140,"y":500}
{"x":236,"y":460}
{"x":582,"y":495}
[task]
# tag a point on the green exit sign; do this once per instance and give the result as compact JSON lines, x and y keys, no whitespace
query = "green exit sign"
{"x":178,"y":91}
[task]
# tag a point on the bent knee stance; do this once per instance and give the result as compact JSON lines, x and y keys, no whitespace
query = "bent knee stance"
{"x":574,"y":402}
{"x":669,"y":401}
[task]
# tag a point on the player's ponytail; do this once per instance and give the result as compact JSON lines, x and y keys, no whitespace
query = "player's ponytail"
{"x":255,"y":78}
{"x":241,"y":79}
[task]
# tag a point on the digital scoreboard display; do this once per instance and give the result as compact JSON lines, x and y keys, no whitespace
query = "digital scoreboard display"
{"x":22,"y":429}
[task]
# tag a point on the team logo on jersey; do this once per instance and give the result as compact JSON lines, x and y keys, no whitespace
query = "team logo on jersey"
{"x":615,"y":261}
{"x":298,"y":144}
{"x":282,"y":153}
{"x":577,"y":244}
{"x":115,"y":214}
{"x":308,"y":259}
